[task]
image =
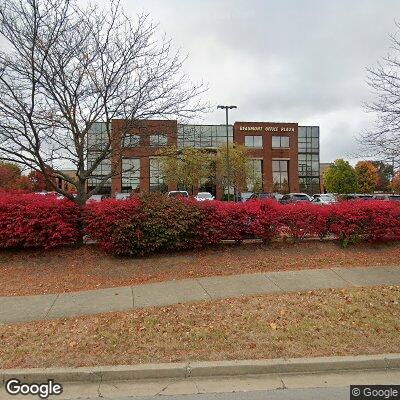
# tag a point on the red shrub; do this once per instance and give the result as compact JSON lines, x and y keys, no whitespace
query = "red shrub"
{"x":267,"y":223}
{"x":153,"y":223}
{"x":214,"y":224}
{"x":239,"y":219}
{"x":372,"y":221}
{"x":304,"y":219}
{"x":156,"y":223}
{"x":105,"y":220}
{"x":29,"y":220}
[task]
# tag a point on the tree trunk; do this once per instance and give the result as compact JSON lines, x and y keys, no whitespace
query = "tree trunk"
{"x":80,"y":201}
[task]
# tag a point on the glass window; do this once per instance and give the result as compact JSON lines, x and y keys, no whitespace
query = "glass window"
{"x":157,"y":183}
{"x":158,"y":140}
{"x":101,"y":172}
{"x":131,"y":141}
{"x":308,"y":165}
{"x":280,"y":176}
{"x":280,"y":142}
{"x":130,"y":174}
{"x":285,"y":142}
{"x":97,"y":137}
{"x":204,"y":136}
{"x":253,"y":141}
{"x":315,"y":132}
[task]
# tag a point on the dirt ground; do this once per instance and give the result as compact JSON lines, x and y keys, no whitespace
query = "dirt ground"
{"x":71,"y":269}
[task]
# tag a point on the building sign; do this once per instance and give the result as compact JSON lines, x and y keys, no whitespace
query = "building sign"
{"x":267,"y":129}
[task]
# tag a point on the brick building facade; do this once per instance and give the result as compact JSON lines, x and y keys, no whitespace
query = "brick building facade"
{"x":283,"y":157}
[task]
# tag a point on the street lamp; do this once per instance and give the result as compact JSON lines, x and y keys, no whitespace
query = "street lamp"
{"x":226,"y":108}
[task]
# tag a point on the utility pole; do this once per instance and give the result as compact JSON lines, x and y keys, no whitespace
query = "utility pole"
{"x":227,"y":108}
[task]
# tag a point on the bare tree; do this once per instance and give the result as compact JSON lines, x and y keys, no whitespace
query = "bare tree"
{"x":64,"y":67}
{"x":383,"y":141}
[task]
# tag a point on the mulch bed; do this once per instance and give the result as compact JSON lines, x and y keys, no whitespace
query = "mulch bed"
{"x":70,"y":269}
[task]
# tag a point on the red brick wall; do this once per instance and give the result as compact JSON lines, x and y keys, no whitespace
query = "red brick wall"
{"x":144,"y":129}
{"x":267,"y":153}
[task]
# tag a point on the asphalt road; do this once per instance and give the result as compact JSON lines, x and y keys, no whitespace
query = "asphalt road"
{"x":334,"y":393}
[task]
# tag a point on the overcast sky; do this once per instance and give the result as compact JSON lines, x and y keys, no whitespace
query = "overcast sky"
{"x":283,"y":60}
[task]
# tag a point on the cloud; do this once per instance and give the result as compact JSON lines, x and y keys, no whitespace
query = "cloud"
{"x":296,"y":61}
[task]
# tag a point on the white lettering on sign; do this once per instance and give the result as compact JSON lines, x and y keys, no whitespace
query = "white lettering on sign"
{"x":267,"y":128}
{"x":251,"y":128}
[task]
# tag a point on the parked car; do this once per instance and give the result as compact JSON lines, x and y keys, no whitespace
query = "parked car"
{"x":324,"y":198}
{"x":178,"y":193}
{"x":387,"y":197}
{"x":244,"y":196}
{"x":204,"y":196}
{"x":122,"y":196}
{"x":261,"y":196}
{"x":364,"y":197}
{"x":294,"y":198}
{"x":96,"y":198}
{"x":278,"y":196}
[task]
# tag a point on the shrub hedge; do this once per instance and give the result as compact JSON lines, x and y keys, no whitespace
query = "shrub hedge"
{"x":156,"y":223}
{"x":29,"y":220}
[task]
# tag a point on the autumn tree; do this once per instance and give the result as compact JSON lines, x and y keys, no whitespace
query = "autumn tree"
{"x":67,"y":64}
{"x":187,"y":167}
{"x":38,"y":183}
{"x":340,"y":178}
{"x":395,"y":185}
{"x":9,"y":175}
{"x":385,"y":175}
{"x":367,"y":176}
{"x":235,"y":168}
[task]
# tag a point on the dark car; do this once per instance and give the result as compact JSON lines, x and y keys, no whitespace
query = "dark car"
{"x":364,"y":197}
{"x":294,"y":198}
{"x":261,"y":196}
{"x":387,"y":197}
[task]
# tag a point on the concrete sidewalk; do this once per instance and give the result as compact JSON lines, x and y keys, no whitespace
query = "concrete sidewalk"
{"x":29,"y":308}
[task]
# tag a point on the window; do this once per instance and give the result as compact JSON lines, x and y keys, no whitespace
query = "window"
{"x":280,"y":142}
{"x":308,"y":167}
{"x":97,"y":137}
{"x":204,"y":136}
{"x":309,"y":139}
{"x":131,"y":141}
{"x":255,"y":175}
{"x":130,"y":177}
{"x":253,"y":141}
{"x":158,"y":140}
{"x":99,"y":174}
{"x":157,"y":183}
{"x":280,"y":175}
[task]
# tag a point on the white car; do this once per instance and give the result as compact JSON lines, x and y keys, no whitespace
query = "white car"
{"x":203,"y":196}
{"x":324,"y":199}
{"x":178,"y":193}
{"x":96,"y":198}
{"x":122,"y":196}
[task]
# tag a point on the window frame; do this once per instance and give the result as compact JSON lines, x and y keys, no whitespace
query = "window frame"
{"x":251,"y":139}
{"x":280,"y":137}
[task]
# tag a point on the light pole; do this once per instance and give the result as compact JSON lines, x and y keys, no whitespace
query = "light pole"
{"x":227,"y":108}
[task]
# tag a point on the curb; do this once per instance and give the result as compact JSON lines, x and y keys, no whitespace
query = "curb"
{"x":203,"y":369}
